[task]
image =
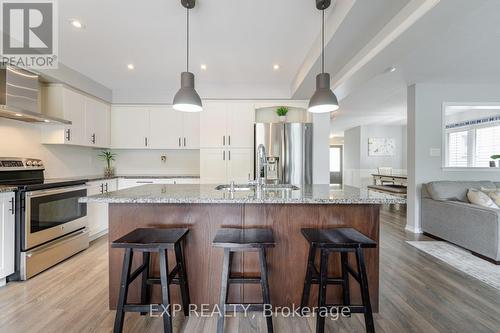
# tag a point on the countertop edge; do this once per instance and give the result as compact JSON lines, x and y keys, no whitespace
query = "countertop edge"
{"x":242,"y":201}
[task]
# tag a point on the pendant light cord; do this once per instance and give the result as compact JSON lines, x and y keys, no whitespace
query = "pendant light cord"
{"x":323,"y":41}
{"x":187,"y":39}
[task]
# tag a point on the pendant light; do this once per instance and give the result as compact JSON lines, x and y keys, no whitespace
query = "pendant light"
{"x":323,"y":100}
{"x":187,"y":99}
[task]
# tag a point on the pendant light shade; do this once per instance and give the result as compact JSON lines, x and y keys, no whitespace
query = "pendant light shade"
{"x":323,"y":100}
{"x":187,"y":99}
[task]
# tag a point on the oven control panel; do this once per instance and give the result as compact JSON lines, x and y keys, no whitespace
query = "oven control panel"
{"x":14,"y":163}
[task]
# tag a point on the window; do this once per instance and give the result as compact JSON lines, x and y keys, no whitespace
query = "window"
{"x":487,"y":144}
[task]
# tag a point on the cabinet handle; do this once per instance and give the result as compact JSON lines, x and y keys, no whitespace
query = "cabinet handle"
{"x":93,"y":138}
{"x":229,"y":153}
{"x":184,"y":142}
{"x":102,"y":188}
{"x":179,"y":141}
{"x":68,"y":134}
{"x":223,"y":155}
{"x":146,"y":141}
{"x":106,"y":187}
{"x":223,"y":140}
{"x":229,"y":140}
{"x":12,"y":206}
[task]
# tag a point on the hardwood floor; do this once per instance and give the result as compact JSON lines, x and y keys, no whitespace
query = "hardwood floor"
{"x":417,"y":294}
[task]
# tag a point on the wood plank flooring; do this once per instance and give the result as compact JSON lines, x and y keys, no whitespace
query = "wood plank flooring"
{"x":417,"y":294}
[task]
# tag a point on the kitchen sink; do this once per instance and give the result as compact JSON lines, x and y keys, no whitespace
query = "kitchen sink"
{"x":267,"y":187}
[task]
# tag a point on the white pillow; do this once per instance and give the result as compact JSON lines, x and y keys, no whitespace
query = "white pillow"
{"x":493,"y":194}
{"x":479,"y":198}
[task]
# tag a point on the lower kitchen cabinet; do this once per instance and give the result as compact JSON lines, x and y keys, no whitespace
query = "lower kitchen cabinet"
{"x":7,"y":235}
{"x":221,"y":166}
{"x":97,"y":213}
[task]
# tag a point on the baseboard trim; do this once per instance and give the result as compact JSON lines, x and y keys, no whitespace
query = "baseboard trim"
{"x":413,"y":230}
{"x":98,"y":235}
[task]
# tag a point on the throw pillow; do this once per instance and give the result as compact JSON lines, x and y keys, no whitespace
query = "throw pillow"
{"x":493,"y":194}
{"x":479,"y":198}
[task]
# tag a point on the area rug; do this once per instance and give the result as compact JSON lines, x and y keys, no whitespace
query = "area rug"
{"x":462,"y":260}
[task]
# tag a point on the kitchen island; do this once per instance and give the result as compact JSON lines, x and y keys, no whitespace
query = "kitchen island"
{"x":204,"y":209}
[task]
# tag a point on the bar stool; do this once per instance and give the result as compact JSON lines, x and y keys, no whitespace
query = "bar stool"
{"x":237,"y":240}
{"x":342,"y":240}
{"x":147,"y":240}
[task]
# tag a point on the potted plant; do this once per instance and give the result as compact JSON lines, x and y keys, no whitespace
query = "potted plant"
{"x":281,"y":112}
{"x":495,"y":163}
{"x":108,"y":157}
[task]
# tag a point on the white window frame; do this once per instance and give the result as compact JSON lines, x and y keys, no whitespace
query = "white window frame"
{"x":471,"y":144}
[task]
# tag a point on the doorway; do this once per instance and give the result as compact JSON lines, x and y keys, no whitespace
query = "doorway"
{"x":336,"y":165}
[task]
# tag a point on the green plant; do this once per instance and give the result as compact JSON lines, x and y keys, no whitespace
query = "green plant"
{"x":495,"y":157}
{"x":108,"y":157}
{"x":282,"y":111}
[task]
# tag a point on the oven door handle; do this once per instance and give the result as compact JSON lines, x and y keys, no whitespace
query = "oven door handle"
{"x":42,"y":193}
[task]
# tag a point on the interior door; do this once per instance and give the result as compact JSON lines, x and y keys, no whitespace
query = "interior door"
{"x":336,"y":164}
{"x":213,"y":166}
{"x":213,"y":125}
{"x":240,"y":165}
{"x":165,"y":128}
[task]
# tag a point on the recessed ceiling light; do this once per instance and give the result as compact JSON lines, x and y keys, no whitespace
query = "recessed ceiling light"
{"x":203,"y":67}
{"x":276,"y":67}
{"x":46,"y":120}
{"x":18,"y":115}
{"x":390,"y":70}
{"x":130,"y":66}
{"x":76,"y":23}
{"x":331,"y":136}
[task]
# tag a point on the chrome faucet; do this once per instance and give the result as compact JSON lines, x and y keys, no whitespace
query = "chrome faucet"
{"x":261,"y":165}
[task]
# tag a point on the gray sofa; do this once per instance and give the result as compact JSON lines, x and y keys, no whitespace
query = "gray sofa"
{"x":447,"y":214}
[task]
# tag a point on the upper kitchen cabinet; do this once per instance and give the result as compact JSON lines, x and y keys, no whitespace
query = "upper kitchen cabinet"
{"x":170,"y":129}
{"x":227,"y":124}
{"x":89,"y":117}
{"x":129,"y":127}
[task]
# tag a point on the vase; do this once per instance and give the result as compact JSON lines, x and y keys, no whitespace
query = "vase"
{"x":109,"y":172}
{"x":282,"y":118}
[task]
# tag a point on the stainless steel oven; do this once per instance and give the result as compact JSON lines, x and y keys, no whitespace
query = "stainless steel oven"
{"x":52,"y":213}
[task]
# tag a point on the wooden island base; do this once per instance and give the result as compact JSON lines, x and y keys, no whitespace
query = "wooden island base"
{"x":286,"y":262}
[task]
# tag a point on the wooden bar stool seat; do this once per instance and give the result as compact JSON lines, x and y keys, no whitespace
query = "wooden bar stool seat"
{"x":343,"y":241}
{"x":147,"y":240}
{"x":236,"y":240}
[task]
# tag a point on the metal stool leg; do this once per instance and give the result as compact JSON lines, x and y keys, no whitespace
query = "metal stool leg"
{"x":345,"y":279}
{"x":323,"y":276}
{"x":265,"y":287}
{"x":370,"y":327}
{"x":304,"y":302}
{"x":145,"y":289}
{"x":223,"y":290}
{"x":122,"y":298}
{"x":165,"y":291}
{"x":183,"y":282}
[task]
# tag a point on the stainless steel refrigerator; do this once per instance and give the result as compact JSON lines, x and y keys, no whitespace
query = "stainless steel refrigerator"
{"x":289,"y":157}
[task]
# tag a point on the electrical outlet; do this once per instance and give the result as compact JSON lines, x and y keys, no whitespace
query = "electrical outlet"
{"x":163,"y":158}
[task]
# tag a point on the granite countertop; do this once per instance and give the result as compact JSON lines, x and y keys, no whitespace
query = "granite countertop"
{"x":92,"y":178}
{"x":6,"y":188}
{"x":207,"y":194}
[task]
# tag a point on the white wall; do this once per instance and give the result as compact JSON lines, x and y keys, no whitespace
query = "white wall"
{"x":358,"y":165}
{"x":19,"y":139}
{"x":137,"y":162}
{"x":425,"y":132}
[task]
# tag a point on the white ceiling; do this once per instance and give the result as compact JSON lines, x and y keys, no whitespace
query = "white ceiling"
{"x":457,"y":42}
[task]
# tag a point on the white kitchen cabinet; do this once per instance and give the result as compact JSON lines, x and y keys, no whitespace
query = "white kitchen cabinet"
{"x":129,"y":127}
{"x":227,"y":124}
{"x":220,"y":166}
{"x":159,"y":127}
{"x":7,"y":236}
{"x":97,"y":213}
{"x":89,"y":117}
{"x":240,"y":165}
{"x":97,"y":123}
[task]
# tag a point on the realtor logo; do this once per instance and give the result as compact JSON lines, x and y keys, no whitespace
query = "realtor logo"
{"x":29,"y":33}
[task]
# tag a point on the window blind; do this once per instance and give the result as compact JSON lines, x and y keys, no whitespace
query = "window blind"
{"x":457,"y":149}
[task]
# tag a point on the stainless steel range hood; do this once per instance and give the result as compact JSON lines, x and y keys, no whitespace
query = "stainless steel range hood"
{"x":19,"y":94}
